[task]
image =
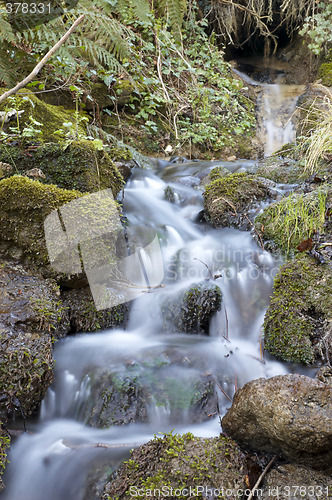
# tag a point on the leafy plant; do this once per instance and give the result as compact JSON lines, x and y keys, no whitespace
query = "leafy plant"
{"x":318,"y":27}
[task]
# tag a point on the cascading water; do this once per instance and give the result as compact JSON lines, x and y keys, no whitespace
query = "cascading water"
{"x":54,"y":462}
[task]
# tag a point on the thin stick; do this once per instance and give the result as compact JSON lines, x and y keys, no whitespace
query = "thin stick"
{"x":42,"y":62}
{"x":224,"y":393}
{"x":258,"y":482}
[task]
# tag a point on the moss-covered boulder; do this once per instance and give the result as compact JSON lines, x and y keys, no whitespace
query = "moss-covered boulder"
{"x":48,"y":119}
{"x":297,"y":324}
{"x":183,"y":467}
{"x":78,"y":166}
{"x":26,"y":370}
{"x":4,"y":445}
{"x":29,"y":303}
{"x":191,"y":309}
{"x":281,"y":170}
{"x":81,"y":315}
{"x":226,"y":198}
{"x":293,"y":219}
{"x":24,"y":207}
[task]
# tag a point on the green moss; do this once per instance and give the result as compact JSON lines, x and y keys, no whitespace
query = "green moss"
{"x":26,"y":368}
{"x":300,"y":310}
{"x":79,"y":166}
{"x":225,"y":196}
{"x":285,"y":171}
{"x":325,"y":73}
{"x":24,"y":206}
{"x":293,"y":219}
{"x":179,"y":462}
{"x":51,"y":117}
{"x":4,"y":445}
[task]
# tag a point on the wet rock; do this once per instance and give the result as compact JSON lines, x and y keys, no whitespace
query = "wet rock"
{"x":227,"y":198}
{"x":212,"y":468}
{"x":289,"y":415}
{"x":81,"y":315}
{"x":30,"y":315}
{"x":190,"y":311}
{"x":324,"y":374}
{"x":292,"y":482}
{"x":281,"y":169}
{"x":157,"y":388}
{"x":26,"y":371}
{"x":29,"y":303}
{"x":24,"y":208}
{"x":298,"y":321}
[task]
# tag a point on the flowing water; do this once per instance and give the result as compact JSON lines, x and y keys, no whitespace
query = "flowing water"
{"x":55,"y":460}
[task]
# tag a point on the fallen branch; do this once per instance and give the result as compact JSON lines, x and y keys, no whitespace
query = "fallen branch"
{"x":258,"y":482}
{"x":42,"y":62}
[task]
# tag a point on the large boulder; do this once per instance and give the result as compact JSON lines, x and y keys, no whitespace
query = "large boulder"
{"x":287,"y":414}
{"x":228,"y":198}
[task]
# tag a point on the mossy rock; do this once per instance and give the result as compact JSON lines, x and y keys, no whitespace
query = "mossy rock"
{"x":51,"y":117}
{"x":227,"y":197}
{"x":175,"y":463}
{"x":124,"y":93}
{"x":26,"y":369}
{"x":160,"y":383}
{"x":4,"y":445}
{"x":325,"y":73}
{"x":293,"y":219}
{"x":97,"y":95}
{"x":82,"y":316}
{"x":24,"y":208}
{"x":280,"y":170}
{"x":190,"y":311}
{"x":298,"y":321}
{"x":79,"y":166}
{"x":29,"y":303}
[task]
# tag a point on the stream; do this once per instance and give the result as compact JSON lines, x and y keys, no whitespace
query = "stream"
{"x":55,"y":458}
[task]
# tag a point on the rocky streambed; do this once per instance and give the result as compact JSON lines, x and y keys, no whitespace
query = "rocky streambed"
{"x":186,"y":353}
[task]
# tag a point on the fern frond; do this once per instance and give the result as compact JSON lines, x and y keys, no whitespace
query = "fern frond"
{"x":174,"y":9}
{"x":6,"y":31}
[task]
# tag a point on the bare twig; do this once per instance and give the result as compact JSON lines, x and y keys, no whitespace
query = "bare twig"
{"x":42,"y":62}
{"x":258,"y":482}
{"x":254,"y":228}
{"x":224,"y":393}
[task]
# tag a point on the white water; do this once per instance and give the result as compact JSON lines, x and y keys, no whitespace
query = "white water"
{"x":54,"y":462}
